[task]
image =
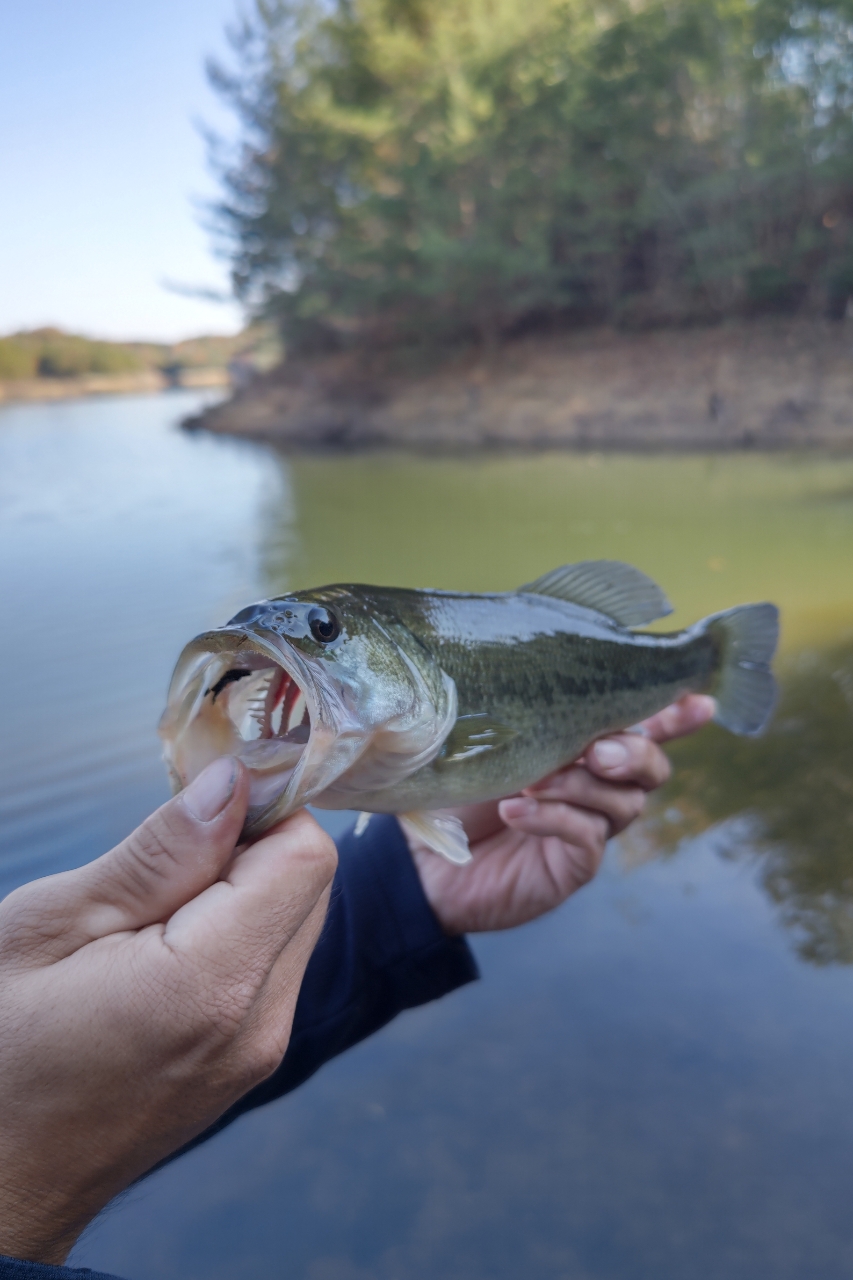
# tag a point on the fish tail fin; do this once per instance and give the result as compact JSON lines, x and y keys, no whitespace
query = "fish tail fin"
{"x":746,"y":689}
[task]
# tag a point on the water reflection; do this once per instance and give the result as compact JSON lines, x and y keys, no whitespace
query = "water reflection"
{"x":792,"y":790}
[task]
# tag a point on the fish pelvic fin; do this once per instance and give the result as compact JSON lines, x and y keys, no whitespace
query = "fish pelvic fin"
{"x":440,"y":832}
{"x":746,"y":689}
{"x":618,"y":590}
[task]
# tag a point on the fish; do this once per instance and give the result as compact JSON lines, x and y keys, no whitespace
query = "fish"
{"x":415,"y":701}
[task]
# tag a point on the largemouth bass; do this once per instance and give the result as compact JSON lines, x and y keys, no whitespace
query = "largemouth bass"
{"x":410,"y":702}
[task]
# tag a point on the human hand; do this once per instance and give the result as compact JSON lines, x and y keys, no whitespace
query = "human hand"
{"x":141,"y":995}
{"x":533,"y":850}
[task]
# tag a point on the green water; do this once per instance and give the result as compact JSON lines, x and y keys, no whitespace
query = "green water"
{"x":713,"y":531}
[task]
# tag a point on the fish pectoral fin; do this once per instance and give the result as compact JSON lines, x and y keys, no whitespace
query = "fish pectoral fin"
{"x":618,"y":590}
{"x":440,"y":832}
{"x":472,"y":735}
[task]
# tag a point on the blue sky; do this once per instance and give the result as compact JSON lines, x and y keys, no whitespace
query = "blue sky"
{"x":100,"y":163}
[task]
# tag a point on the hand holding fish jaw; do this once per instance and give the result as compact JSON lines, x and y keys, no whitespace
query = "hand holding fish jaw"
{"x":533,"y":851}
{"x":140,"y":996}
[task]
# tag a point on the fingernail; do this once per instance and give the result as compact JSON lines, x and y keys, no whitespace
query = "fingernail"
{"x":208,"y":794}
{"x":518,"y":807}
{"x":610,"y":755}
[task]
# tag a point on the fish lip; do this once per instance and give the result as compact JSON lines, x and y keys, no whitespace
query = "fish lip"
{"x":327,"y":715}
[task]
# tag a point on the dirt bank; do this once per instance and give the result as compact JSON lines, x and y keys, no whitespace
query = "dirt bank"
{"x":745,"y":385}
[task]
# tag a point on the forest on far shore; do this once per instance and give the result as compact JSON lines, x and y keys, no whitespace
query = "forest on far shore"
{"x":54,"y":353}
{"x":436,"y":171}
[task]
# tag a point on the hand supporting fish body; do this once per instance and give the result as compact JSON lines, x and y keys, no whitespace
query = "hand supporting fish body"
{"x":401,"y":701}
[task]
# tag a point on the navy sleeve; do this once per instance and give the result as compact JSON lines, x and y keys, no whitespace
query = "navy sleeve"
{"x":17,"y":1269}
{"x":381,"y":950}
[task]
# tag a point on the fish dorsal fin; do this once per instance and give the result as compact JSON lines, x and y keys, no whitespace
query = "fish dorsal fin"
{"x":441,"y":832}
{"x":619,"y":590}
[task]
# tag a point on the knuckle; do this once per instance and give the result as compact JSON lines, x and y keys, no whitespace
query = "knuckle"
{"x":631,"y":805}
{"x":146,"y":853}
{"x":32,"y":914}
{"x":590,"y":830}
{"x":635,"y":803}
{"x":19,"y":906}
{"x":317,"y":850}
{"x":263,"y":1055}
{"x":661,"y":768}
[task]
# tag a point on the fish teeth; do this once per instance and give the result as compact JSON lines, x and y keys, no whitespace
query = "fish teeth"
{"x":297,"y":712}
{"x":247,"y":703}
{"x":276,"y":717}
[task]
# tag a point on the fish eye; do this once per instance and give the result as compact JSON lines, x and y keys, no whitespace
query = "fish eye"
{"x":324,"y":625}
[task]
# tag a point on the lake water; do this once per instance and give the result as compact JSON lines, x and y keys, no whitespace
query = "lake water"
{"x":653,"y":1083}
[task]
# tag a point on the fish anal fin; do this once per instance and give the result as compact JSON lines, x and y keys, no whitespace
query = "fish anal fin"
{"x":472,"y":735}
{"x":618,"y":590}
{"x":441,"y":832}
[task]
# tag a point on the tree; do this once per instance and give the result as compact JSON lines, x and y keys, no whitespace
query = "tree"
{"x":453,"y":169}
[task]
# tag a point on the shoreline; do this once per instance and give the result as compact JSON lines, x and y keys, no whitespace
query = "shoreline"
{"x":33,"y":390}
{"x":761,"y":384}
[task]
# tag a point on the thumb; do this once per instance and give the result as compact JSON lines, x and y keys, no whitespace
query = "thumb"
{"x":173,"y":856}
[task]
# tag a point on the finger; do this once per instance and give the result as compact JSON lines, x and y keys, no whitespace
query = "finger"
{"x":546,"y":818}
{"x":572,"y":840}
{"x":626,"y":758}
{"x":685,"y":716}
{"x":236,"y":930}
{"x":619,"y":802}
{"x":174,"y":855}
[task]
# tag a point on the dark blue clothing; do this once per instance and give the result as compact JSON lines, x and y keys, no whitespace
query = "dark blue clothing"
{"x":381,"y":951}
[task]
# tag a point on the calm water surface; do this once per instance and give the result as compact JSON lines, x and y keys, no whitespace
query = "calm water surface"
{"x":654,"y":1083}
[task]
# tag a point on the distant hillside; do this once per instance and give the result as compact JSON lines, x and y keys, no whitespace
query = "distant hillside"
{"x":53,"y":353}
{"x":49,"y":363}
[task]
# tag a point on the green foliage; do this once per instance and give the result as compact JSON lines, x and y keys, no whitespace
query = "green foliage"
{"x":455,"y":168}
{"x":17,"y":359}
{"x":50,"y":353}
{"x":63,"y":355}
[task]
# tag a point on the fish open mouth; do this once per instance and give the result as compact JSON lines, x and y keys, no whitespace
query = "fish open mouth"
{"x":268,"y":711}
{"x":243,"y":701}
